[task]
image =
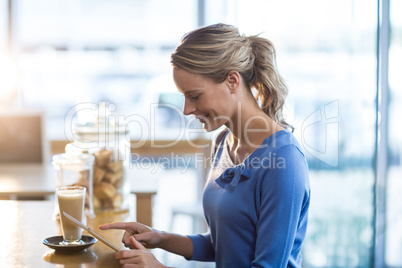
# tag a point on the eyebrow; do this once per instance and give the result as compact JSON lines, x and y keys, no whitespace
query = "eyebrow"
{"x":191,"y":92}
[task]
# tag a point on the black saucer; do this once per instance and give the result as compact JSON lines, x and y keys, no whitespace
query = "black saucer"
{"x":53,"y":242}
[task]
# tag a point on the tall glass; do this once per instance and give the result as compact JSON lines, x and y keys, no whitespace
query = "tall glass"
{"x":74,"y":168}
{"x":71,"y":199}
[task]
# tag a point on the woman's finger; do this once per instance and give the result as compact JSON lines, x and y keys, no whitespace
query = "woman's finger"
{"x":143,"y":238}
{"x":136,"y":244}
{"x":126,"y":238}
{"x":129,"y":265}
{"x":126,"y":254}
{"x":134,"y":260}
{"x":117,"y":225}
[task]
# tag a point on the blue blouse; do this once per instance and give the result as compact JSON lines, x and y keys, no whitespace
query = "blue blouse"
{"x":256,"y":211}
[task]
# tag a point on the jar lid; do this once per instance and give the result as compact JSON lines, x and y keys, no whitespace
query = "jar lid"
{"x":73,"y":160}
{"x":77,"y":148}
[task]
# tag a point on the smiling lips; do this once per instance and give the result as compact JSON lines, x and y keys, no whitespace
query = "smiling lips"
{"x":203,"y":118}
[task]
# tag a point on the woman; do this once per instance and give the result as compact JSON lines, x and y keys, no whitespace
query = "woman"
{"x":257,"y":195}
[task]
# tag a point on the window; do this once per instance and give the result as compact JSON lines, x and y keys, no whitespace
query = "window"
{"x":393,"y":245}
{"x":72,"y":52}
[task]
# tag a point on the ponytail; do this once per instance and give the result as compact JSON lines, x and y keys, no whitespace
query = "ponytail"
{"x":265,"y":78}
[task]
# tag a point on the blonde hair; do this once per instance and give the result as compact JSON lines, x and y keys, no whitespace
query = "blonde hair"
{"x":215,"y":50}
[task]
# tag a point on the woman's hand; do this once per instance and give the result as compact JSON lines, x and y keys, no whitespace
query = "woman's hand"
{"x":148,"y":237}
{"x":151,"y":238}
{"x":139,"y":257}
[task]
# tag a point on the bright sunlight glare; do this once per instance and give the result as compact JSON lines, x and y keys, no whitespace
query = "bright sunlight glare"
{"x":8,"y":74}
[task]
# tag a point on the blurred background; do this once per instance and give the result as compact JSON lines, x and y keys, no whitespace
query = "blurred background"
{"x":342,"y":62}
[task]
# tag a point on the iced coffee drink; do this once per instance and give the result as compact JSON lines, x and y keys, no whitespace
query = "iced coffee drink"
{"x":71,"y":199}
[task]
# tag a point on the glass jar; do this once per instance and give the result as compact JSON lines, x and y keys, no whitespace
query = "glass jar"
{"x":75,"y":168}
{"x":108,"y":142}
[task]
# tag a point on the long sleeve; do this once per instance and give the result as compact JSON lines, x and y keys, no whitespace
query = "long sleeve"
{"x":284,"y":200}
{"x":203,"y":249}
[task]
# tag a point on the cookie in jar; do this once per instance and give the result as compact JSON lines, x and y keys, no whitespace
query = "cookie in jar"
{"x":108,"y":180}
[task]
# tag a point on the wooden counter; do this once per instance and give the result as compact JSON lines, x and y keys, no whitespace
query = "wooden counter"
{"x":37,"y":181}
{"x":24,"y":224}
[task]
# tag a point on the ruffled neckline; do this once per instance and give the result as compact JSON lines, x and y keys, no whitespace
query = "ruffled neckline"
{"x":233,"y":174}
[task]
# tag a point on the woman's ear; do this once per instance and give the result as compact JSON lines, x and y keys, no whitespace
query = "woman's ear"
{"x":233,"y":80}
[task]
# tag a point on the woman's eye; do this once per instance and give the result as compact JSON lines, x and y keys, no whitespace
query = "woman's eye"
{"x":195,"y":97}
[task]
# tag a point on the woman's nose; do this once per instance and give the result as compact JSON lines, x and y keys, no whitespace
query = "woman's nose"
{"x":189,"y":108}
